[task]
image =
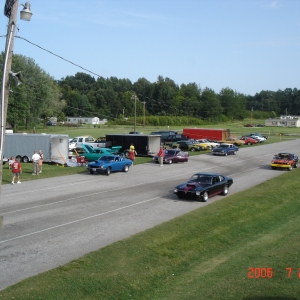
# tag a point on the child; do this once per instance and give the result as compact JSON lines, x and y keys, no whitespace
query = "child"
{"x":16,"y":170}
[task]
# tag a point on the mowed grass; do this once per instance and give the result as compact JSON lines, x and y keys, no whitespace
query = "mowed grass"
{"x":205,"y":254}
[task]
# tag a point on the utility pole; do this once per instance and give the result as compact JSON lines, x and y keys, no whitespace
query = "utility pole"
{"x":134,"y":97}
{"x":10,"y":11}
{"x":144,"y":112}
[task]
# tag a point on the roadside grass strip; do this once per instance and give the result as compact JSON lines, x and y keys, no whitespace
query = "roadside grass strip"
{"x":246,"y":246}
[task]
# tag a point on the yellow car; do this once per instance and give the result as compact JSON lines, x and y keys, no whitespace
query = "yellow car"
{"x":234,"y":141}
{"x":205,"y":146}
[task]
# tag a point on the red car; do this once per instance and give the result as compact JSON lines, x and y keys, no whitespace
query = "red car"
{"x":173,"y":156}
{"x":285,"y":161}
{"x":248,"y":140}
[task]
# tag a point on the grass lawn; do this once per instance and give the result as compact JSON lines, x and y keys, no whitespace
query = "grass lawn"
{"x":205,"y":254}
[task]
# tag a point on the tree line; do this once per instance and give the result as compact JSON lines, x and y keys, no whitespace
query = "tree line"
{"x":41,"y":97}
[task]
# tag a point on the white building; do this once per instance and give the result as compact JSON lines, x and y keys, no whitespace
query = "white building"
{"x":86,"y":120}
{"x":287,"y":122}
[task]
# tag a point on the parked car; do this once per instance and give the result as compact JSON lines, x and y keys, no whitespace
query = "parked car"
{"x":164,"y":134}
{"x":173,"y":156}
{"x":109,"y":163}
{"x":248,"y":125}
{"x":259,"y":138}
{"x":187,"y":145}
{"x":168,"y":141}
{"x":225,"y":149}
{"x":202,"y":186}
{"x":213,"y":144}
{"x":233,"y":141}
{"x":92,"y":154}
{"x":204,"y":145}
{"x":259,"y":134}
{"x":50,"y":123}
{"x":101,"y":142}
{"x":285,"y":160}
{"x":248,"y":140}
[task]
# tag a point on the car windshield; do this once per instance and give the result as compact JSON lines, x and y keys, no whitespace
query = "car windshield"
{"x":284,"y":156}
{"x":170,"y":152}
{"x":107,"y":158}
{"x":202,"y":178}
{"x":223,"y":146}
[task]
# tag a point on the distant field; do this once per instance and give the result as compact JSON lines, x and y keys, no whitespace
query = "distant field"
{"x":236,"y":128}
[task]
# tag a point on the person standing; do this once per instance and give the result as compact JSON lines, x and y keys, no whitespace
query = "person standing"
{"x":41,"y":161}
{"x":161,"y":155}
{"x":10,"y":161}
{"x":16,"y":171}
{"x":35,"y":163}
{"x":132,"y":155}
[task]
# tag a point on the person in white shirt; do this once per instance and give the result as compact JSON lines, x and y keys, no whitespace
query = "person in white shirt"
{"x":35,"y":161}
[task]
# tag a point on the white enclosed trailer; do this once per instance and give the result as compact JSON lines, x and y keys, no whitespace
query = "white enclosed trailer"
{"x":55,"y":147}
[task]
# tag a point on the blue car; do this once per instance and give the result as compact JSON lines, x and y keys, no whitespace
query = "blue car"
{"x":225,"y":149}
{"x":109,"y":163}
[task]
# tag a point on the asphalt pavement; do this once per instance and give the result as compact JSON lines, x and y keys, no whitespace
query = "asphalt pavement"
{"x":49,"y":222}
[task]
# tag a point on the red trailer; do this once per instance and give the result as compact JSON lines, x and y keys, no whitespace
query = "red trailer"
{"x":206,"y":133}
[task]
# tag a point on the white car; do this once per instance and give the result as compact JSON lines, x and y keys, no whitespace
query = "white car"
{"x":260,"y":139}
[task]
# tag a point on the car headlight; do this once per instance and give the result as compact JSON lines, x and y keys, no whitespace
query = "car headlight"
{"x":175,"y":190}
{"x":197,"y":193}
{"x":101,"y":167}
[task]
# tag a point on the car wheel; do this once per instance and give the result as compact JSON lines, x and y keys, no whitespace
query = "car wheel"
{"x":19,"y":158}
{"x":126,"y":168}
{"x":179,"y":196}
{"x":91,"y":172}
{"x":25,"y":159}
{"x":226,"y":154}
{"x":290,"y":168}
{"x":193,"y":149}
{"x":249,"y":143}
{"x":234,"y":152}
{"x":170,"y":161}
{"x":205,"y":196}
{"x":225,"y":190}
{"x":107,"y":171}
{"x":235,"y":144}
{"x":274,"y":168}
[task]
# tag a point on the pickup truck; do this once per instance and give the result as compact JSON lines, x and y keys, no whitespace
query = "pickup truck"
{"x":79,"y":140}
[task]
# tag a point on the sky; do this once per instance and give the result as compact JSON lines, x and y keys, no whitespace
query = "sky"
{"x":246,"y":45}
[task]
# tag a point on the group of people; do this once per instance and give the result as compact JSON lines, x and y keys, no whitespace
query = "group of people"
{"x":16,"y":169}
{"x":161,"y":154}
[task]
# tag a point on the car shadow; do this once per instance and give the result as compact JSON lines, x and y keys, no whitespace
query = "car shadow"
{"x":172,"y":197}
{"x":268,"y":167}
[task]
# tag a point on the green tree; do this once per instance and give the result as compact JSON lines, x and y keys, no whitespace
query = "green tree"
{"x":37,"y":97}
